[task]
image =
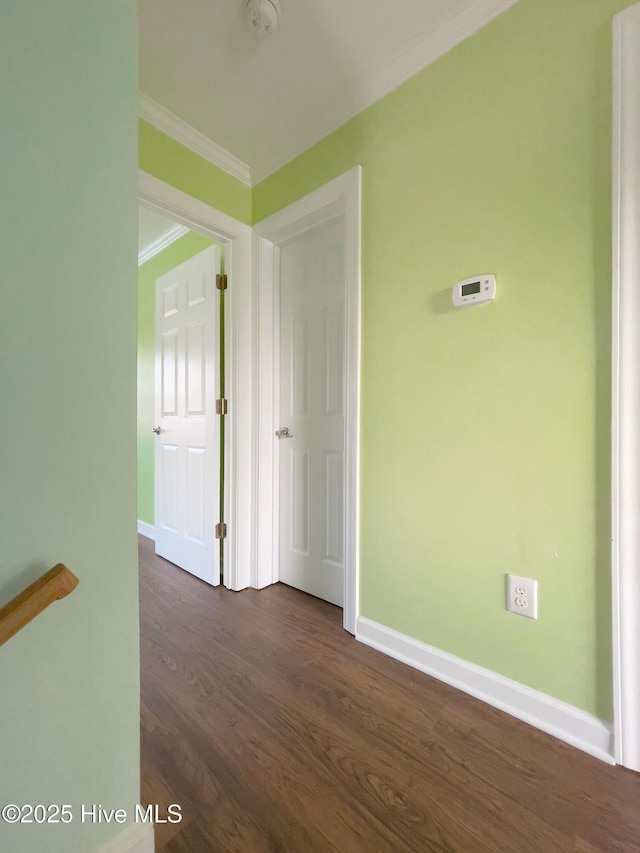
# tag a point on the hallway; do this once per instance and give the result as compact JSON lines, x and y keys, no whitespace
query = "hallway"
{"x":275,"y":730}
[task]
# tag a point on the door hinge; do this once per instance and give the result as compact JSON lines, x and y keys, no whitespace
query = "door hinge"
{"x":221,"y":530}
{"x":222,"y":406}
{"x":221,"y":281}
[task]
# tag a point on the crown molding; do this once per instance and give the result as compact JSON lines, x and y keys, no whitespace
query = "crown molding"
{"x":419,"y":54}
{"x":158,"y":116}
{"x":161,"y":243}
{"x":429,"y":47}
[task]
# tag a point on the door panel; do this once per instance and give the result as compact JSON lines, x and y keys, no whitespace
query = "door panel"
{"x":334,"y":510}
{"x":169,"y":478}
{"x":299,"y":490}
{"x":334,"y":359}
{"x":196,"y":370}
{"x":187,"y":448}
{"x":169,"y":380}
{"x":312,"y":385}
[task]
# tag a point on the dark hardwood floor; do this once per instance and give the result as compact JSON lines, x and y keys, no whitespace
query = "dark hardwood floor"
{"x":277,"y":731}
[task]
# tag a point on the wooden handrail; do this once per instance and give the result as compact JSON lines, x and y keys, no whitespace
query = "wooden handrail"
{"x":55,"y":584}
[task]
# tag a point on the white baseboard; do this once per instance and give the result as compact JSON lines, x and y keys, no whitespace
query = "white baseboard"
{"x":557,"y":718}
{"x":135,"y":838}
{"x":147,"y":530}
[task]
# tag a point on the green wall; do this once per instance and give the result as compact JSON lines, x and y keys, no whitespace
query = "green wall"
{"x":68,"y":208}
{"x":183,"y":249}
{"x":171,"y":162}
{"x":485,"y":432}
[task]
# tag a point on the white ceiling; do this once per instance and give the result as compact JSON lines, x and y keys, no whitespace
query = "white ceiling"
{"x":265,"y":101}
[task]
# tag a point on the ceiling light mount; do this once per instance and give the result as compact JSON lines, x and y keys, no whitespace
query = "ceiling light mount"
{"x":263,"y":16}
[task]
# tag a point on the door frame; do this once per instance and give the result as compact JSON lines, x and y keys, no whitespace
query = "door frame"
{"x":625,"y":432}
{"x":236,"y":236}
{"x":340,"y":199}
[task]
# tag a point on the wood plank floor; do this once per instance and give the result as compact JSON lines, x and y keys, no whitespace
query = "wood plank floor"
{"x":277,"y":731}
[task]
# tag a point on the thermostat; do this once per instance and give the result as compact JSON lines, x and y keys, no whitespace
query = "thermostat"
{"x":470,"y":291}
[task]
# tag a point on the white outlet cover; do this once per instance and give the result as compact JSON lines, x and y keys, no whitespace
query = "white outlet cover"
{"x":522,"y":596}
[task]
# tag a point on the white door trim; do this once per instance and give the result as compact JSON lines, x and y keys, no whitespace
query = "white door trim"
{"x":182,"y":208}
{"x":625,"y":437}
{"x":339,"y":199}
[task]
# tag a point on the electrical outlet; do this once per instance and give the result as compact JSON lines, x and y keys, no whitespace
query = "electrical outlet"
{"x":522,"y":596}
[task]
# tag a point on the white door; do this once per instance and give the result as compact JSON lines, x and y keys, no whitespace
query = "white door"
{"x":312,"y":387}
{"x":187,"y":443}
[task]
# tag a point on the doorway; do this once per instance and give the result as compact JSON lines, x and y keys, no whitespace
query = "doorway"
{"x":235,"y":237}
{"x":310,"y":437}
{"x":252,"y":482}
{"x":334,"y":206}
